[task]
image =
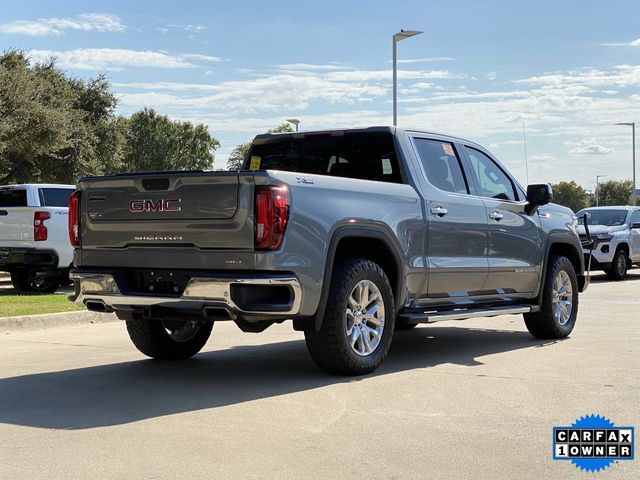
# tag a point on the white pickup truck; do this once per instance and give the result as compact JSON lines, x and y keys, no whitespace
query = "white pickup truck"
{"x":34,"y":242}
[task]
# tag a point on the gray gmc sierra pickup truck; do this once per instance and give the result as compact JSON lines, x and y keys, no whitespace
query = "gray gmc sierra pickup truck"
{"x":351,"y":234}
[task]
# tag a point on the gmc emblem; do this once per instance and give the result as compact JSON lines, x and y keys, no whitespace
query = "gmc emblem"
{"x":162,"y":205}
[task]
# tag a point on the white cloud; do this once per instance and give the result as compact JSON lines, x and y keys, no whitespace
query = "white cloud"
{"x":567,"y":112}
{"x":172,"y":86}
{"x":310,"y":67}
{"x":99,"y":22}
{"x":591,"y":149}
{"x":620,"y":75}
{"x":118,"y":58}
{"x":633,"y":43}
{"x":385,"y":75}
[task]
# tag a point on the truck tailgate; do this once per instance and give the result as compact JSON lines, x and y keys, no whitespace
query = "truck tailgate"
{"x":178,"y":220}
{"x":16,"y":227}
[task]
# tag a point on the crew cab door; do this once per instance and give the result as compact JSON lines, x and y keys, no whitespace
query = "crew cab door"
{"x":634,"y":236}
{"x":515,"y":238}
{"x":457,"y":231}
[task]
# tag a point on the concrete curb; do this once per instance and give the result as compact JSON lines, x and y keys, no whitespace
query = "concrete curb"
{"x":50,"y":320}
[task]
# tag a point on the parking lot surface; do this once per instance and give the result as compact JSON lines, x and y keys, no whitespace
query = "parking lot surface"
{"x":472,"y":399}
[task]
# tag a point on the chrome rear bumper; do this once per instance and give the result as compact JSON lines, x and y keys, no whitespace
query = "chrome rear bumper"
{"x":93,"y":289}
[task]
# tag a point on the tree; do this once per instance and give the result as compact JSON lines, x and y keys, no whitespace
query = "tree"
{"x":54,"y":128}
{"x":571,"y":195}
{"x":614,"y":192}
{"x":239,"y":153}
{"x":237,"y":156}
{"x":157,"y":143}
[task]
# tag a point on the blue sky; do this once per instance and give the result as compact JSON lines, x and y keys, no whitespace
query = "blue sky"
{"x":568,"y":69}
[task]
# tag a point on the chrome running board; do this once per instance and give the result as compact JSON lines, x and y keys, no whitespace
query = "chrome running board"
{"x":463,"y":314}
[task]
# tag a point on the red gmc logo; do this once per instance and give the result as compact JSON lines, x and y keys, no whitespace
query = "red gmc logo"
{"x":148,"y":205}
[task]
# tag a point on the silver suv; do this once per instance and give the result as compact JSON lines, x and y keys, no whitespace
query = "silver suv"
{"x":615,"y":232}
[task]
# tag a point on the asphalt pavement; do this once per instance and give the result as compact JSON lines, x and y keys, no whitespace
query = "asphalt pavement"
{"x":467,"y":400}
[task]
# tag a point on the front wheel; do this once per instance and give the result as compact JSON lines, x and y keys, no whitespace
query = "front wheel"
{"x":168,"y":339}
{"x":357,"y":328}
{"x":619,"y":266}
{"x":559,"y":307}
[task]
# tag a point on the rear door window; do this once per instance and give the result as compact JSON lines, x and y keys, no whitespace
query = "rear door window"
{"x":10,"y":197}
{"x":366,"y":155}
{"x":55,"y":197}
{"x":492,"y":181}
{"x":441,"y":165}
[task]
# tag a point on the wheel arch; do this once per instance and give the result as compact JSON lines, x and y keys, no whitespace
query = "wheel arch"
{"x":369,"y":241}
{"x":624,"y":246}
{"x":561,"y":246}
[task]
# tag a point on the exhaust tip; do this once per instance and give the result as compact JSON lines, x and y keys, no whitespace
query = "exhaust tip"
{"x":97,"y":306}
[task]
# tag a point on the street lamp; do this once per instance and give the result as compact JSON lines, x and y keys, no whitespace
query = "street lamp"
{"x":598,"y":177}
{"x":294,"y":121}
{"x":633,"y":140}
{"x":401,"y":35}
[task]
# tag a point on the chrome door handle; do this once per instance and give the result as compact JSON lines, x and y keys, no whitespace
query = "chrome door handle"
{"x":439,"y":211}
{"x":496,"y":216}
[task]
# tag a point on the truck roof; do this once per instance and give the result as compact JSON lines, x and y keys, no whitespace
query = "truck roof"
{"x":379,"y":128}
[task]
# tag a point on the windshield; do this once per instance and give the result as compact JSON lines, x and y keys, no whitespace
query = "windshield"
{"x":603,"y":217}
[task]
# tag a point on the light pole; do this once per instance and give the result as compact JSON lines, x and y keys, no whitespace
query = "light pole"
{"x":401,"y":35}
{"x":294,"y":121}
{"x":598,"y":177}
{"x":633,"y":141}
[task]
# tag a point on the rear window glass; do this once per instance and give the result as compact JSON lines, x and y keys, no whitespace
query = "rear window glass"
{"x":369,"y":156}
{"x":55,"y":197}
{"x":13,"y":198}
{"x":441,"y":165}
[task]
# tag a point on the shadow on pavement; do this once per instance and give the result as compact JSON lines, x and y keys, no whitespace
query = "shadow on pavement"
{"x":598,"y":277}
{"x":132,"y":391}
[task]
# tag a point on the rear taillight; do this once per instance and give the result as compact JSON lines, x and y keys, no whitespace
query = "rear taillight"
{"x":74,"y":231}
{"x":39,"y":229}
{"x":271,"y":215}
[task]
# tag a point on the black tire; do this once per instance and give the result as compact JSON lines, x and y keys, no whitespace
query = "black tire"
{"x":619,"y":266}
{"x":545,"y":324}
{"x":406,"y":326}
{"x":150,"y":337}
{"x":330,"y":347}
{"x":27,"y":281}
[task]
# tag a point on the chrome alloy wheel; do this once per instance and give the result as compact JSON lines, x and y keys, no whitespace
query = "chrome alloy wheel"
{"x":365,"y":318}
{"x":181,"y":330}
{"x":562,"y":297}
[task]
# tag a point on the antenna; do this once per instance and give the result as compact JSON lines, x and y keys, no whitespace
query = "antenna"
{"x":526,"y":160}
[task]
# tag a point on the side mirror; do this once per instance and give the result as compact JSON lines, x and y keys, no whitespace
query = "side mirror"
{"x":538,"y":195}
{"x":635,"y":225}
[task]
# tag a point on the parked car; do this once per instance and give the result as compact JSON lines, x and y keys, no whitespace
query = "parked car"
{"x":350,"y":234}
{"x":34,"y":240}
{"x":616,"y":235}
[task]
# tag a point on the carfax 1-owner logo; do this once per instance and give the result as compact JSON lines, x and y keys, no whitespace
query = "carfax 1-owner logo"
{"x":593,"y":443}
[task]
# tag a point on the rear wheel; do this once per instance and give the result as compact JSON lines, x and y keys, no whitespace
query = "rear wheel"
{"x":357,"y":328}
{"x":168,"y":339}
{"x":29,"y":281}
{"x":619,"y":266}
{"x":559,"y":307}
